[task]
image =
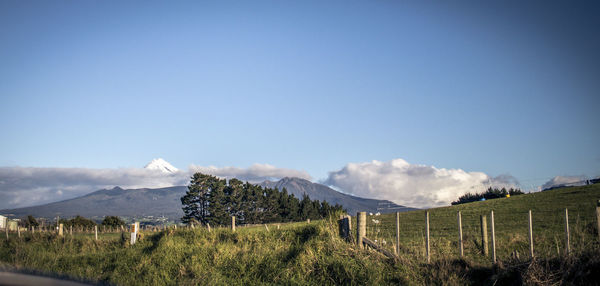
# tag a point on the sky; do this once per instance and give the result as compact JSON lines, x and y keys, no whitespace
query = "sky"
{"x":348,"y":93}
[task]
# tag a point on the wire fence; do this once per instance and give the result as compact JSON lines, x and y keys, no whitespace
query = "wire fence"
{"x":511,"y":237}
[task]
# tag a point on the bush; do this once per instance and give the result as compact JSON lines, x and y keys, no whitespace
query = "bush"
{"x":491,"y":193}
{"x":112,"y":221}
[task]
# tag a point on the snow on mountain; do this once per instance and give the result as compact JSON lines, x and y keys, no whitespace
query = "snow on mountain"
{"x":161,"y":165}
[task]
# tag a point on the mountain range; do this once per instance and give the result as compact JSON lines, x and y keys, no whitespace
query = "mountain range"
{"x":165,"y":202}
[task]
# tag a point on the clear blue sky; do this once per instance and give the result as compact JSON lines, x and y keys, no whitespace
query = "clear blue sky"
{"x":311,"y":85}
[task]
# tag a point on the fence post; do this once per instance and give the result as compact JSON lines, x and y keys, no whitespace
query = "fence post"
{"x":427,"y":249}
{"x":567,"y":234}
{"x":60,"y":229}
{"x":349,"y":226}
{"x":96,"y":231}
{"x":530,"y":235}
{"x":493,"y":237}
{"x":484,"y":236}
{"x":134,"y":230}
{"x":6,"y":228}
{"x":18,"y":231}
{"x":460,"y":236}
{"x":361,"y":228}
{"x":344,"y":227}
{"x":232,"y":223}
{"x":398,"y":233}
{"x":598,"y":217}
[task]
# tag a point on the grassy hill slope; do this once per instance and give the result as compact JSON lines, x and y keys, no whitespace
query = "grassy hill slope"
{"x":511,"y":224}
{"x":313,"y":254}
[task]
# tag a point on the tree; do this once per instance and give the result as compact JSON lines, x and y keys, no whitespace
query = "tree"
{"x":217,"y":214}
{"x":490,"y":193}
{"x":195,"y":201}
{"x":78,"y":221}
{"x":213,"y":200}
{"x":306,"y":207}
{"x":114,"y":221}
{"x":31,"y":221}
{"x":233,"y":199}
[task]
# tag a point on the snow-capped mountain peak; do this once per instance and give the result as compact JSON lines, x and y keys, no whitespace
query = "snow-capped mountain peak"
{"x":161,"y":165}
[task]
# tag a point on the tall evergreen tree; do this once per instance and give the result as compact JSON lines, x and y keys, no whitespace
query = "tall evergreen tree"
{"x":195,"y":201}
{"x":271,"y":205}
{"x":217,"y":214}
{"x":234,"y":195}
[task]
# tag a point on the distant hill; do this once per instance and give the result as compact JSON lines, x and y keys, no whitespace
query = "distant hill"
{"x":129,"y":203}
{"x":165,"y":202}
{"x":321,"y":192}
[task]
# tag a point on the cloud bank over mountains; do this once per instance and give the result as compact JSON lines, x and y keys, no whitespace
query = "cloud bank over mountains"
{"x":255,"y":173}
{"x":27,"y":186}
{"x":21,"y":186}
{"x":396,"y":180}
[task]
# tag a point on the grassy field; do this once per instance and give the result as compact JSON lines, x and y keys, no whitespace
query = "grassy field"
{"x":511,"y":225}
{"x":313,"y":254}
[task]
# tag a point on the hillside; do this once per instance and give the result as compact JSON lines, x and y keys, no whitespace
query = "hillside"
{"x":511,"y":224}
{"x":352,"y":204}
{"x":293,"y":254}
{"x":129,"y":203}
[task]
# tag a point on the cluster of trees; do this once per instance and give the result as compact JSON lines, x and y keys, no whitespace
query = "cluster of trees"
{"x":491,"y":193}
{"x":29,"y":222}
{"x":210,"y":200}
{"x":112,"y":221}
{"x":77,"y":221}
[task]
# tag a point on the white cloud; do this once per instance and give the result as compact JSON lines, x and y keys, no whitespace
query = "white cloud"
{"x":409,"y":184}
{"x":564,"y":181}
{"x":255,"y":173}
{"x":20,"y":186}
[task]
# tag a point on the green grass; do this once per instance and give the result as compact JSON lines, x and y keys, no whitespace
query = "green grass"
{"x":511,"y":225}
{"x":313,"y":254}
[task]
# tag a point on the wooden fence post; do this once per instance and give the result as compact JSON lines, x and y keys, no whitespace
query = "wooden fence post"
{"x":567,"y":234}
{"x":96,"y":231}
{"x":71,"y":230}
{"x":461,"y":250}
{"x":398,"y":233}
{"x":6,"y":228}
{"x":60,"y":229}
{"x":598,"y":217}
{"x":484,"y":236}
{"x":18,"y":231}
{"x":361,"y":228}
{"x":427,"y":249}
{"x":493,"y":237}
{"x":530,"y":235}
{"x":344,"y":227}
{"x":232,"y":223}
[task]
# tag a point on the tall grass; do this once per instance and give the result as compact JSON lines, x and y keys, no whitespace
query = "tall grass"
{"x":313,"y":253}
